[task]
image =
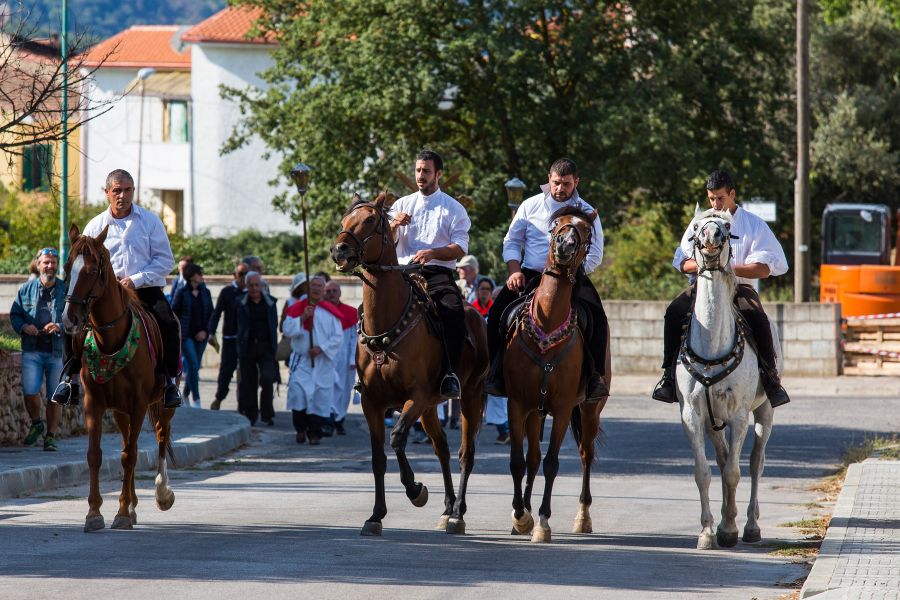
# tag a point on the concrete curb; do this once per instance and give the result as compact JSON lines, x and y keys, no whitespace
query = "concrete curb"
{"x":823,"y":568}
{"x":187,"y":450}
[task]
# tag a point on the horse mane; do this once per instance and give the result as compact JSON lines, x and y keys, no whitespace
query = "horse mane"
{"x":358,"y":201}
{"x":98,"y":252}
{"x":575,"y":211}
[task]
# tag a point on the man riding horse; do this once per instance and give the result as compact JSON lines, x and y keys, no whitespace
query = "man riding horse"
{"x":529,"y":233}
{"x":756,"y":254}
{"x":432,"y":229}
{"x":141,"y":258}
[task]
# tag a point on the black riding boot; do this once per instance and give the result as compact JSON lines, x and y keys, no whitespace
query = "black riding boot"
{"x":596,"y":388}
{"x":495,"y":385}
{"x":171,"y":394}
{"x":772,"y":384}
{"x":665,"y":389}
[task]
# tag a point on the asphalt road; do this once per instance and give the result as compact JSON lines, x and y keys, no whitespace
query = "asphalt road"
{"x":275,"y":520}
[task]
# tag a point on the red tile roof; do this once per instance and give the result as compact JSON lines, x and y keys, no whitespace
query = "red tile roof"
{"x":230,"y":25}
{"x":157,"y":46}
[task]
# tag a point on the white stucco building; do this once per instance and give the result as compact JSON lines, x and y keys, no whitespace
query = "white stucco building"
{"x":185,"y":124}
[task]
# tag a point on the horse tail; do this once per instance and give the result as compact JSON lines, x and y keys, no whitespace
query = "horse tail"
{"x":155,"y":415}
{"x":576,"y":424}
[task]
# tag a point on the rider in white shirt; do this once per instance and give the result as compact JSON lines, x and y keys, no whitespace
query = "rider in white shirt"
{"x":525,"y":250}
{"x":755,"y":254}
{"x":432,"y":229}
{"x":141,"y":257}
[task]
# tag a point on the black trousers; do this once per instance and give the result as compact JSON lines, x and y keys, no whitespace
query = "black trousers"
{"x":307,"y":423}
{"x":227,"y":366}
{"x":746,"y":300}
{"x":154,"y":301}
{"x":446,"y":295}
{"x":584,"y":290}
{"x":256,"y":387}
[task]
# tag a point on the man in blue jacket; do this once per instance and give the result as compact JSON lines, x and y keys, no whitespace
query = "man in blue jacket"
{"x":36,"y":315}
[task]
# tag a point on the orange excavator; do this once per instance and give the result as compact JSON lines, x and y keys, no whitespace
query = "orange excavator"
{"x":857,"y":270}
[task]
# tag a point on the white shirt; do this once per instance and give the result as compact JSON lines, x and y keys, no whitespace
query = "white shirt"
{"x":756,"y":244}
{"x":311,"y":388}
{"x":530,"y":231}
{"x":138,"y":246}
{"x":436,"y":221}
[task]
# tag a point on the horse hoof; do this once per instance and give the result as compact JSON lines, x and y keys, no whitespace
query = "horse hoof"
{"x":122,"y":522}
{"x":541,"y":535}
{"x":422,"y":499}
{"x":442,"y":522}
{"x":751,"y":536}
{"x":371,"y":529}
{"x":725,"y":539}
{"x":522,"y":526}
{"x":166,"y":502}
{"x":583,"y":526}
{"x":133,"y":516}
{"x":94,"y":523}
{"x":706,"y":541}
{"x":456,"y":527}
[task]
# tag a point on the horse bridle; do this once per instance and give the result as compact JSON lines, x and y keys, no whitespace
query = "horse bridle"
{"x":91,"y":297}
{"x":382,"y":224}
{"x":702,"y":265}
{"x":582,"y":245}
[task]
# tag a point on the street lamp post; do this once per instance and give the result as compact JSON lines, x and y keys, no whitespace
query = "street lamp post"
{"x":515,"y":190}
{"x":143,"y":74}
{"x":64,"y":147}
{"x":300,"y":175}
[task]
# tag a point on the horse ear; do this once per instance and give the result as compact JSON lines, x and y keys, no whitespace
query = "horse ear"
{"x":356,"y":198}
{"x":592,"y":215}
{"x":101,"y":237}
{"x":73,"y":233}
{"x":697,"y":211}
{"x":379,"y":201}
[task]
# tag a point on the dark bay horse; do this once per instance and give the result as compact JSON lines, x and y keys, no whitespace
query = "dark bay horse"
{"x":400,"y":363}
{"x":543,"y":371}
{"x":118,"y":371}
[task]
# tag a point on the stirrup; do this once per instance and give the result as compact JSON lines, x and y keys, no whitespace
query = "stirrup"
{"x":665,"y":389}
{"x":171,"y":395}
{"x":66,"y":393}
{"x":776,"y":394}
{"x":450,"y":386}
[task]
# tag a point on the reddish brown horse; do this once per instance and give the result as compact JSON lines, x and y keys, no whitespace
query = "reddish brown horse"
{"x":400,"y":363}
{"x":118,"y":370}
{"x":543,"y":372}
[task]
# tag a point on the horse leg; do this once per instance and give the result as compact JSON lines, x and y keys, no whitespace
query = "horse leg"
{"x":727,"y":532}
{"x":124,"y":425}
{"x":762,"y":428}
{"x":433,"y":428}
{"x":551,"y":468}
{"x":720,"y":445}
{"x":693,"y":428}
{"x":165,"y":497}
{"x":415,"y":491}
{"x":375,"y":419}
{"x":93,"y":421}
{"x":128,"y":500}
{"x":533,"y":425}
{"x":472,"y":409}
{"x":590,"y":425}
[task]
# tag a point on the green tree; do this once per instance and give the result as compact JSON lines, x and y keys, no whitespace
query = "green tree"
{"x":644,"y":95}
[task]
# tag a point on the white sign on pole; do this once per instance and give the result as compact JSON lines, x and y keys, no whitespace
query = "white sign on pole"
{"x":763,"y":210}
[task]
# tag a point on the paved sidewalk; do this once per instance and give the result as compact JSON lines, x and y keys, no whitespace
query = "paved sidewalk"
{"x":860,"y":557}
{"x":197,"y":435}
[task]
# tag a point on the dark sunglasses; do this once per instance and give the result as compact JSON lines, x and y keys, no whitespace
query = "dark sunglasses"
{"x":50,"y":251}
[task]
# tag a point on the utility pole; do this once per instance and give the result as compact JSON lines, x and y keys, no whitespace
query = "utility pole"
{"x":64,"y":147}
{"x":801,"y":181}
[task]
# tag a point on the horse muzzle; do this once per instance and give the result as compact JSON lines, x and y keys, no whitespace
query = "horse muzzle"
{"x":344,"y":256}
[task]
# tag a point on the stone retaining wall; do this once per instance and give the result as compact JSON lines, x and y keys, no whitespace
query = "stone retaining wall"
{"x":810,"y":336}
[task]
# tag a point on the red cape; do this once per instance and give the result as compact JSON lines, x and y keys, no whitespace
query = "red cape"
{"x":349,"y":315}
{"x":296,"y":309}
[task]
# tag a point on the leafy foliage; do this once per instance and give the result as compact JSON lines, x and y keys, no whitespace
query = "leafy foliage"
{"x":282,"y":253}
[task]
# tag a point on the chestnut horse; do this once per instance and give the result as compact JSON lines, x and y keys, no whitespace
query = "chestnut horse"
{"x":118,"y":324}
{"x":543,"y":373}
{"x":400,"y":363}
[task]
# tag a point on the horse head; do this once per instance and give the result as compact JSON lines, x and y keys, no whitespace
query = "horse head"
{"x":88,"y":272}
{"x":365,"y":237}
{"x":570,"y":239}
{"x":712,"y":240}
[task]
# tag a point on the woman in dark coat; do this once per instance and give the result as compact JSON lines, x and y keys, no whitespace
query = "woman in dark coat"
{"x":193,"y":305}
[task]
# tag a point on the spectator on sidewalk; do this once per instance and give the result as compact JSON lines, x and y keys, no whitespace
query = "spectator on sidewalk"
{"x":257,"y":330}
{"x":345,"y":365}
{"x":484,"y":297}
{"x":255,"y":263}
{"x":226,"y":308}
{"x":467,"y":270}
{"x":180,"y":279}
{"x":193,"y":306}
{"x":36,"y":315}
{"x":312,"y":379}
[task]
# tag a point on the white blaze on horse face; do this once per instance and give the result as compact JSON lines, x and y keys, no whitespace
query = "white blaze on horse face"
{"x":77,"y":265}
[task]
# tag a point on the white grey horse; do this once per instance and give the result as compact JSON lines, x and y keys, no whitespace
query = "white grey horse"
{"x":719,"y":384}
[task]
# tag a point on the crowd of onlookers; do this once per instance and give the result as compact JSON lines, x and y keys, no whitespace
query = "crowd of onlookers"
{"x":317,"y":345}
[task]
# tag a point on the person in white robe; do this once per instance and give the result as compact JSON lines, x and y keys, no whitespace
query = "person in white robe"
{"x":346,"y":363}
{"x":312,"y":369}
